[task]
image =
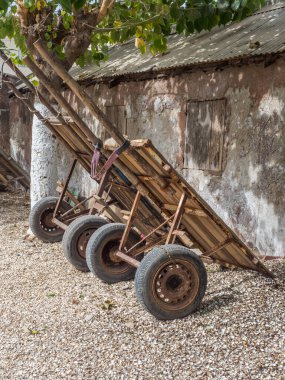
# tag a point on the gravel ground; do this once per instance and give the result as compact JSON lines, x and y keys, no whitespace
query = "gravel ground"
{"x":57,"y":323}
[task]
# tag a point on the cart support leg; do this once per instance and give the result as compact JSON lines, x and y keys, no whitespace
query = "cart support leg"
{"x":177,"y":219}
{"x":130,"y":221}
{"x":103,"y":182}
{"x":64,"y":188}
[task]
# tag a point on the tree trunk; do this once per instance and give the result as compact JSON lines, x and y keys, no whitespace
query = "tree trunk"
{"x":43,"y":159}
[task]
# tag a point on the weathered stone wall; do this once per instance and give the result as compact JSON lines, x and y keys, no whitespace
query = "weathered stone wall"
{"x":248,"y":193}
{"x":15,"y":128}
{"x":4,"y":119}
{"x":20,"y":122}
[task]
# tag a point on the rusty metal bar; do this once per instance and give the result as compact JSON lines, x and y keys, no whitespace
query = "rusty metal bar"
{"x":130,"y":221}
{"x":76,"y":206}
{"x":151,"y":233}
{"x":148,"y":246}
{"x":103,"y":182}
{"x":128,"y":259}
{"x":76,"y":215}
{"x":222,"y":245}
{"x":62,"y":194}
{"x":177,"y":219}
{"x":59,"y":224}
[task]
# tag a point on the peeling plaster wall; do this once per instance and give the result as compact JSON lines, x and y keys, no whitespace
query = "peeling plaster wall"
{"x":44,"y":173}
{"x":4,"y":120}
{"x":20,"y":125}
{"x":249,"y":192}
{"x":15,"y":128}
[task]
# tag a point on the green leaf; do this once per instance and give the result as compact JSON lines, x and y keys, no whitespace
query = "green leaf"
{"x":190,"y":27}
{"x":235,"y":5}
{"x":50,"y":295}
{"x":34,"y":332}
{"x":80,"y":61}
{"x":180,"y":26}
{"x":36,"y":84}
{"x":14,"y":9}
{"x":115,"y":35}
{"x":78,"y":4}
{"x":142,"y":49}
{"x":174,"y":11}
{"x":29,"y":3}
{"x":49,"y":44}
{"x":66,"y":5}
{"x":108,"y":305}
{"x":66,"y":24}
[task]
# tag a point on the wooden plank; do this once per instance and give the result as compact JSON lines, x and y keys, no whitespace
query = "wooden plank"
{"x":140,"y":143}
{"x":217,"y":134}
{"x":198,"y":132}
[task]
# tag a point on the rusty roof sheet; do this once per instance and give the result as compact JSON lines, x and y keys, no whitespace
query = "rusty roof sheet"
{"x":258,"y":35}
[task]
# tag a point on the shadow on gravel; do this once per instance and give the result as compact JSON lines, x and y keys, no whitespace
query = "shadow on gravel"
{"x":216,"y":302}
{"x":279,"y":270}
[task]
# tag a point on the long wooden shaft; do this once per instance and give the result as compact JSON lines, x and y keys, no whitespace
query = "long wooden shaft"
{"x":42,"y":98}
{"x":80,"y":93}
{"x":31,"y":87}
{"x":94,"y":109}
{"x":68,"y":143}
{"x":85,"y":132}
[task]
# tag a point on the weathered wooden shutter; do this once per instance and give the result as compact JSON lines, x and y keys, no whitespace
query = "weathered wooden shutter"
{"x":204,"y":136}
{"x":117,"y":114}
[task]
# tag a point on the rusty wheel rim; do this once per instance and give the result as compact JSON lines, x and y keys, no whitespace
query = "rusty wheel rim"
{"x":175,"y":285}
{"x":83,"y":241}
{"x":111,"y":262}
{"x":46,"y":222}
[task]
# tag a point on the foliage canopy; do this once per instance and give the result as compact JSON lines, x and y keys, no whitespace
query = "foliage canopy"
{"x":81,"y":31}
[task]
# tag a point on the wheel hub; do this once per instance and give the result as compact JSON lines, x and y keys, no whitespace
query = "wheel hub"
{"x":46,"y":221}
{"x":112,"y":253}
{"x":83,"y":241}
{"x":175,"y":285}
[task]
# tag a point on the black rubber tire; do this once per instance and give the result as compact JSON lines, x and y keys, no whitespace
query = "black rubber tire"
{"x":35,"y":220}
{"x":146,"y":276}
{"x":71,"y":237}
{"x":97,"y":250}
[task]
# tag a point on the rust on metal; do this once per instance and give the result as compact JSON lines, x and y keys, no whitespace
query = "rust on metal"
{"x":175,"y":285}
{"x":130,"y":221}
{"x":177,"y":219}
{"x":135,"y":263}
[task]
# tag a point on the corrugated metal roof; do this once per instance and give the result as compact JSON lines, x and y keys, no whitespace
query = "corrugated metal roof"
{"x":261,"y":34}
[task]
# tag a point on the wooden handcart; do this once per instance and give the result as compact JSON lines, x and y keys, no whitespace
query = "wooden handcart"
{"x":165,"y":221}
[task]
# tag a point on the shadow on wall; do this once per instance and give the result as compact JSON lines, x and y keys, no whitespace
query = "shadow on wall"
{"x":250,"y":191}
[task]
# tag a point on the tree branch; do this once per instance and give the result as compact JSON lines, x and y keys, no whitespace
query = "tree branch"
{"x":126,"y":26}
{"x":106,"y":5}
